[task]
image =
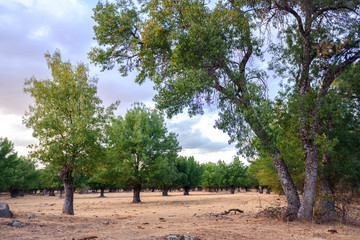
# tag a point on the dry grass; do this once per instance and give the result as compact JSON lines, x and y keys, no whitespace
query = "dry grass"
{"x":115,"y":217}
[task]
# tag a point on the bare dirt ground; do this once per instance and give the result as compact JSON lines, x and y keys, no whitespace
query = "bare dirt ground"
{"x":115,"y":217}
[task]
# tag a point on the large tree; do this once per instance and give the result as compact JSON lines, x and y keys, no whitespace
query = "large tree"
{"x":197,"y":53}
{"x":139,"y":142}
{"x":67,"y":119}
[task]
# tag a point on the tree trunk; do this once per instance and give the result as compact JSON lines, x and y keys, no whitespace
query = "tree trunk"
{"x":232,"y":190}
{"x":13,"y":193}
{"x":326,"y":204}
{"x":66,"y":176}
{"x":165,"y":191}
{"x":136,"y":196}
{"x":102,"y":190}
{"x":52,"y":193}
{"x":261,"y":190}
{"x":61,"y":193}
{"x":186,"y":190}
{"x":268,"y":190}
{"x":311,"y":167}
{"x":288,"y":186}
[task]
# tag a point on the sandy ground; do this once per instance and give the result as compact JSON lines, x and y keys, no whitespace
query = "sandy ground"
{"x":115,"y":217}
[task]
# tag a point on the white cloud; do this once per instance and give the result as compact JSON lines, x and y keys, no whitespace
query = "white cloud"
{"x":11,"y":127}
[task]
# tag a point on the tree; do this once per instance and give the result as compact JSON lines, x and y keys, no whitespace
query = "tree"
{"x":194,"y":55}
{"x":67,"y":119}
{"x":190,"y":173}
{"x":16,"y":173}
{"x":237,"y":175}
{"x":197,"y":54}
{"x":50,"y":180}
{"x":138,"y":142}
{"x":8,"y":162}
{"x":165,"y":175}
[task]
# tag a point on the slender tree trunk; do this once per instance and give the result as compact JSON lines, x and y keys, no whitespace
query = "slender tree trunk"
{"x":66,"y":176}
{"x":136,"y":190}
{"x":165,"y":191}
{"x":102,"y":190}
{"x":311,"y":167}
{"x":186,"y":190}
{"x":61,"y":193}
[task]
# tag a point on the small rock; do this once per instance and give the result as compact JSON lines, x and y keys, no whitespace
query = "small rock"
{"x":181,"y":237}
{"x":32,"y":216}
{"x":5,"y":210}
{"x":16,"y":223}
{"x":106,"y":222}
{"x":162,"y":220}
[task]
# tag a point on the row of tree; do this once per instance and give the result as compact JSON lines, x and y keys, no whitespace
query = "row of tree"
{"x":19,"y":175}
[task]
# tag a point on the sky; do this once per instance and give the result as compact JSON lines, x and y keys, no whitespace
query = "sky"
{"x":31,"y":28}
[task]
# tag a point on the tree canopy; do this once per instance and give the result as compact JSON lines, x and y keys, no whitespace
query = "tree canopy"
{"x":197,"y":53}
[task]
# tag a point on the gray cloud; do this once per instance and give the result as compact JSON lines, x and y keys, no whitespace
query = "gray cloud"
{"x":29,"y":31}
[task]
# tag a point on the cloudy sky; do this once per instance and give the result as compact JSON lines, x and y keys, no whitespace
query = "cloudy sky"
{"x":30,"y":28}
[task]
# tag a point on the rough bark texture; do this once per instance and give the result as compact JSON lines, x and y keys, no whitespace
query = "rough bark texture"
{"x":66,"y":176}
{"x":136,"y":196}
{"x":186,"y":190}
{"x":311,"y":167}
{"x":292,"y":196}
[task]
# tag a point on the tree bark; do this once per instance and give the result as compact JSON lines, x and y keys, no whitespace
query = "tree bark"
{"x":136,"y":190}
{"x":66,"y":176}
{"x":186,"y":190}
{"x":311,"y":167}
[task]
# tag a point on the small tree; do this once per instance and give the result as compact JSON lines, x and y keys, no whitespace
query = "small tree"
{"x":67,"y":119}
{"x":138,"y":142}
{"x":190,"y":173}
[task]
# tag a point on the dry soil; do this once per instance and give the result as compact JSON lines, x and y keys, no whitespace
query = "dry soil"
{"x":156,"y":217}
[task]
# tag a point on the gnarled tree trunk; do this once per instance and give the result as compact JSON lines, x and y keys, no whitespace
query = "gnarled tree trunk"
{"x":66,"y":176}
{"x":136,"y":190}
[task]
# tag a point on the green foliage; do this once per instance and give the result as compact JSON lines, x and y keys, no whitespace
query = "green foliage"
{"x":190,"y":172}
{"x":140,"y":145}
{"x":16,"y":173}
{"x":66,"y":117}
{"x":49,"y":178}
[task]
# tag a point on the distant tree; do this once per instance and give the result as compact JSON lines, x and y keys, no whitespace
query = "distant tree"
{"x":165,"y":175}
{"x":50,"y":179}
{"x":16,"y":173}
{"x":67,"y":119}
{"x":139,"y":142}
{"x":190,"y":173}
{"x":208,"y":177}
{"x":237,"y":176}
